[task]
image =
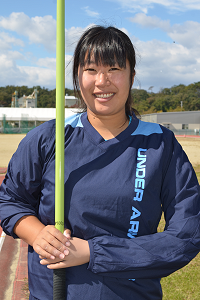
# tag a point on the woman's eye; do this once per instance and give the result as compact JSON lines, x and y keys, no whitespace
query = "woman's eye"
{"x":114,"y":69}
{"x":90,"y":70}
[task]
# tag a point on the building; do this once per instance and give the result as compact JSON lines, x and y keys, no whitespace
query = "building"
{"x":184,"y":122}
{"x":21,"y":120}
{"x":71,"y":101}
{"x":25,"y":101}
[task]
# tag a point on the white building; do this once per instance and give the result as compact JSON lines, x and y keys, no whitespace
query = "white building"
{"x":71,"y":101}
{"x":16,"y":117}
{"x":25,"y":101}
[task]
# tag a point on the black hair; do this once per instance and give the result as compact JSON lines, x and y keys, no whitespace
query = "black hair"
{"x":107,"y":46}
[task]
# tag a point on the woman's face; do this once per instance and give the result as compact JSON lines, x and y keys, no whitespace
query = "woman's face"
{"x":104,"y":89}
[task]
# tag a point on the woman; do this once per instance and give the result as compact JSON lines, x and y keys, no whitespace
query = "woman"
{"x":120,"y":174}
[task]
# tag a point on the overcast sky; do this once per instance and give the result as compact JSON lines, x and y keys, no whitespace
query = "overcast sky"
{"x":165,"y":34}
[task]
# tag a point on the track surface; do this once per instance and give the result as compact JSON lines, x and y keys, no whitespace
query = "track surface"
{"x":13,"y":264}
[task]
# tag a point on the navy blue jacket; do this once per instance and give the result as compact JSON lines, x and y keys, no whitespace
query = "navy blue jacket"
{"x":115,"y":192}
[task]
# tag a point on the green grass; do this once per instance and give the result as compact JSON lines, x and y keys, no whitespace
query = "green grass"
{"x":197,"y":170}
{"x":184,"y":283}
{"x":25,"y":289}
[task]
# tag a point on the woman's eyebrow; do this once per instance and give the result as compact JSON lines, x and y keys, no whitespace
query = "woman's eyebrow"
{"x":92,"y":62}
{"x":89,"y":63}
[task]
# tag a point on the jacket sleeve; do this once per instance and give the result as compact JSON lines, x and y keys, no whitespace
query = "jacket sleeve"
{"x":160,"y":254}
{"x":20,"y":190}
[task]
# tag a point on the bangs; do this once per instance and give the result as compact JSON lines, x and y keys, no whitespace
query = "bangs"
{"x":106,"y":49}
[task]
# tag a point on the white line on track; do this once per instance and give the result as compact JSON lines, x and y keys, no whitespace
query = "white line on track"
{"x":2,"y":239}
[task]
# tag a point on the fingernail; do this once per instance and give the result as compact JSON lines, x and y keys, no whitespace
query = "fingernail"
{"x":67,"y":244}
{"x":66,"y":252}
{"x":61,"y":256}
{"x":66,"y":234}
{"x":52,"y":257}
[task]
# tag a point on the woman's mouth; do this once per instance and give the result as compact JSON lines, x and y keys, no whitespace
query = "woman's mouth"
{"x":104,"y":96}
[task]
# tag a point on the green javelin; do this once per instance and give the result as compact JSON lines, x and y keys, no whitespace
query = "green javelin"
{"x":60,"y":116}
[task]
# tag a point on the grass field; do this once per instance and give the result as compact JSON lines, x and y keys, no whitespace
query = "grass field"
{"x":181,"y":285}
{"x":184,"y":283}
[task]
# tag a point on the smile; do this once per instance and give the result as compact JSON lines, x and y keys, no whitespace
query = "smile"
{"x":104,"y":96}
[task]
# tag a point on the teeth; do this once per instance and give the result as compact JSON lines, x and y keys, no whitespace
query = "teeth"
{"x":104,"y":95}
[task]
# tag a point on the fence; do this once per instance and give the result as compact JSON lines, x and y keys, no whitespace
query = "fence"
{"x":187,"y":132}
{"x":13,"y":127}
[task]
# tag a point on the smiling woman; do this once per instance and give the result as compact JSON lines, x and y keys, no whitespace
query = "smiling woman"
{"x":103,"y":74}
{"x":112,"y":49}
{"x":120,"y":175}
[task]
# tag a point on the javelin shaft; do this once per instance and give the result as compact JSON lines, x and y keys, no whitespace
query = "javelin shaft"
{"x":59,"y":290}
{"x":60,"y":116}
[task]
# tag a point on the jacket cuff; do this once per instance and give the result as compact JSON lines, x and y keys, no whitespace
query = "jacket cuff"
{"x":91,"y":262}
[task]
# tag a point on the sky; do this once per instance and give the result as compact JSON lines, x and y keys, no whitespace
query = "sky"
{"x":165,"y":34}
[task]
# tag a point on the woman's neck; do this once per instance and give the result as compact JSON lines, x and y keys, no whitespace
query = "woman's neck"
{"x":109,"y":126}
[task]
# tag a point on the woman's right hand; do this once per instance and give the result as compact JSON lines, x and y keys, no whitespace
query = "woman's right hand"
{"x":51,"y":243}
{"x":47,"y":241}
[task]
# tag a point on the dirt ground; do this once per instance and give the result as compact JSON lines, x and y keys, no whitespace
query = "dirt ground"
{"x":9,"y":143}
{"x":192,"y":148}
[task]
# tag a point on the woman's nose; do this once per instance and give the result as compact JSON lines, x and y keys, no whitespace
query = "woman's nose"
{"x":102,"y":79}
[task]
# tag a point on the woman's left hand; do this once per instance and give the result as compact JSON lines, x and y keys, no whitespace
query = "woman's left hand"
{"x":79,"y":254}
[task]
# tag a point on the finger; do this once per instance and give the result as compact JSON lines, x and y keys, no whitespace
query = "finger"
{"x":50,"y":246}
{"x":58,"y":235}
{"x":46,"y":261}
{"x":55,"y":248}
{"x":43,"y":257}
{"x":51,"y":243}
{"x":43,"y":254}
{"x":67,"y":233}
{"x":59,"y":265}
